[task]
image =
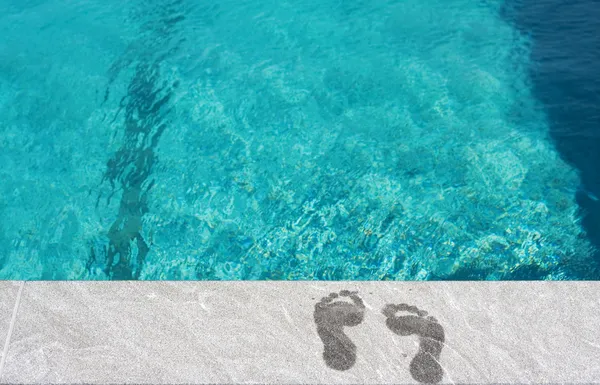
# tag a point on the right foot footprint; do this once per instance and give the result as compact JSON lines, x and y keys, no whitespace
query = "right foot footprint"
{"x":425,"y":366}
{"x":331,"y":317}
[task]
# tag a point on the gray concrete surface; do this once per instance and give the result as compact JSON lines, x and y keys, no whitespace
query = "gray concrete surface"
{"x":8,"y":296}
{"x":265,"y":332}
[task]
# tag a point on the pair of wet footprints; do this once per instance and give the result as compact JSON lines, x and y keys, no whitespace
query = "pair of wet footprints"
{"x":333,"y":313}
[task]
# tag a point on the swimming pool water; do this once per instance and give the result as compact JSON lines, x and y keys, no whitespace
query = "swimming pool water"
{"x":245,"y":139}
{"x":565,"y":64}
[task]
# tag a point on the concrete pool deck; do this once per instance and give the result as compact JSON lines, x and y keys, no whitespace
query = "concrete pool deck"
{"x":275,"y":333}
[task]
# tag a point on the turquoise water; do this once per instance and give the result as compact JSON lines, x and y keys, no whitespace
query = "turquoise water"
{"x":267,"y":139}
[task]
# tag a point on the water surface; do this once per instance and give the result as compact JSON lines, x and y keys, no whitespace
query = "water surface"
{"x":380,"y":140}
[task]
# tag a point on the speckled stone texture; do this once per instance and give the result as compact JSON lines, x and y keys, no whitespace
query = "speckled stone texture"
{"x":266,"y":332}
{"x":8,"y":295}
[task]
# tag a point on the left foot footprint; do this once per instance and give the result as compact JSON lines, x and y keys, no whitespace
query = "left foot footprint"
{"x":425,"y":366}
{"x":331,"y":317}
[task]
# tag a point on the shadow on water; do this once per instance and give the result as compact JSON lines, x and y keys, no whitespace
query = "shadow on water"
{"x":145,"y":110}
{"x":566,"y":79}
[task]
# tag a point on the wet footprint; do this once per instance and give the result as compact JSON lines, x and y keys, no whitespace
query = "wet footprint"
{"x":331,"y":317}
{"x":425,"y":366}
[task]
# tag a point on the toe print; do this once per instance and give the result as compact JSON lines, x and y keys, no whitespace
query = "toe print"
{"x":425,"y":366}
{"x":332,"y":313}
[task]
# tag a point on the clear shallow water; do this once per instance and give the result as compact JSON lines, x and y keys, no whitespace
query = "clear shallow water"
{"x":278,"y":140}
